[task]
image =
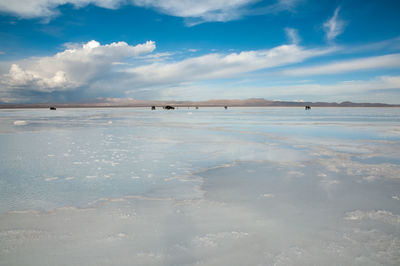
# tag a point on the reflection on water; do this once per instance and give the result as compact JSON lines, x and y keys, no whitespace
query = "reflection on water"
{"x":244,"y":186}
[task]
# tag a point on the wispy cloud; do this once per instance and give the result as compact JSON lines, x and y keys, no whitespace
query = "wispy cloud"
{"x":292,"y":35}
{"x":193,"y":11}
{"x":48,"y":8}
{"x":375,"y":62}
{"x":199,"y":11}
{"x":217,"y":66}
{"x":278,"y":6}
{"x":386,"y":45}
{"x":196,"y":12}
{"x":355,"y":90}
{"x":334,"y":26}
{"x":343,"y":87}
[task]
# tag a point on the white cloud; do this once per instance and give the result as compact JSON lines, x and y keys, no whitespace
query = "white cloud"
{"x":213,"y":66}
{"x":292,"y":35}
{"x":22,"y":78}
{"x":71,"y":68}
{"x":97,"y":69}
{"x":288,"y":4}
{"x":48,"y":8}
{"x":194,"y":10}
{"x":386,"y":45}
{"x":375,"y":62}
{"x":365,"y":90}
{"x":278,"y":6}
{"x":352,"y":86}
{"x":208,"y":10}
{"x":334,"y":26}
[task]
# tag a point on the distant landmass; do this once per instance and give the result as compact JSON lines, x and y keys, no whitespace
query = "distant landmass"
{"x":251,"y":102}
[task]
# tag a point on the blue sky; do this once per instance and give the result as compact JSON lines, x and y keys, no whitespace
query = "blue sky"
{"x":296,"y":50}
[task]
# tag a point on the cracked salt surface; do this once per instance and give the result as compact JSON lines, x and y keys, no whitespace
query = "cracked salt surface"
{"x":248,"y":186}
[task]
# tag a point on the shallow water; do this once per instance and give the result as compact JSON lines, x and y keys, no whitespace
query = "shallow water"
{"x":243,"y":186}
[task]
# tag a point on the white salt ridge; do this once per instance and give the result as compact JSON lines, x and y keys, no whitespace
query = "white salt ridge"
{"x":380,"y":215}
{"x":51,"y":178}
{"x":268,"y":195}
{"x":20,"y":123}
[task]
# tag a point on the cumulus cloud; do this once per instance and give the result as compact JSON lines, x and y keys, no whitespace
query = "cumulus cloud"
{"x":23,"y":78}
{"x":334,"y":26}
{"x":375,"y":62}
{"x":71,"y":68}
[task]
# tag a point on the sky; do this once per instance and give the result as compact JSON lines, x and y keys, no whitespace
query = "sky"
{"x":291,"y":50}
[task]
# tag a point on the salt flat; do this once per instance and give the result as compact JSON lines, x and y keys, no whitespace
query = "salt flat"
{"x":243,"y":186}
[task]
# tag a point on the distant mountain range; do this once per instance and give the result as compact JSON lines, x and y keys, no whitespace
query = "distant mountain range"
{"x":252,"y":102}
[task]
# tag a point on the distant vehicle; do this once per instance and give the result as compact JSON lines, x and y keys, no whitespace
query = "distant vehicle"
{"x":307,"y":107}
{"x":197,"y":107}
{"x":53,"y":108}
{"x":226,"y":107}
{"x":169,"y":107}
{"x":153,"y":108}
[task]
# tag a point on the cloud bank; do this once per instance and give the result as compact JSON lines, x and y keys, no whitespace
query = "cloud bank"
{"x":102,"y":67}
{"x":90,"y":70}
{"x":72,"y":68}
